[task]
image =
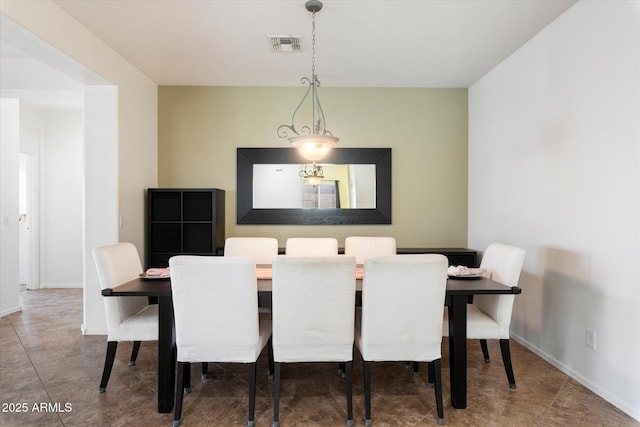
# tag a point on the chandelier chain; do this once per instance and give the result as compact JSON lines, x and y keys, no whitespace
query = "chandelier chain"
{"x":313,"y":46}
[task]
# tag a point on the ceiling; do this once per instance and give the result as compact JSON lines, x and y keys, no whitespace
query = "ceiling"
{"x":376,"y":43}
{"x":36,"y":83}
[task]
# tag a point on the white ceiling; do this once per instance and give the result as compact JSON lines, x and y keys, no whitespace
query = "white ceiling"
{"x":375,"y":43}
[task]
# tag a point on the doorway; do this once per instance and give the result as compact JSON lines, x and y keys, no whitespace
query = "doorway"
{"x":28,"y":208}
{"x":100,"y":198}
{"x":25,"y":260}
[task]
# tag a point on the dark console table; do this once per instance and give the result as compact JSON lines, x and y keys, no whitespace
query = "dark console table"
{"x":456,"y":256}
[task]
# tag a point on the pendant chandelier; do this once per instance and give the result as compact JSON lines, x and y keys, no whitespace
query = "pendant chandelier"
{"x":313,"y":141}
{"x":312,"y":174}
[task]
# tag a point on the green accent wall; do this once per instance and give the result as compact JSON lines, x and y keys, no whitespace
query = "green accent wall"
{"x":199,"y":129}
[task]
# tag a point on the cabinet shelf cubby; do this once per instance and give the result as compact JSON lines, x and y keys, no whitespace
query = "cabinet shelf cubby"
{"x":183,"y":221}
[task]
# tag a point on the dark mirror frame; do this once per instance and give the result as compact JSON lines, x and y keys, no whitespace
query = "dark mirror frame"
{"x":246,"y":214}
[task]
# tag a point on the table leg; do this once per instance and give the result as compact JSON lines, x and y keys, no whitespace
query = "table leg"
{"x":166,"y":355}
{"x":458,"y":350}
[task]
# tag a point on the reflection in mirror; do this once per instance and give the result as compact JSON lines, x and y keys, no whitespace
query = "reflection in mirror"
{"x":323,"y":204}
{"x":280,"y":186}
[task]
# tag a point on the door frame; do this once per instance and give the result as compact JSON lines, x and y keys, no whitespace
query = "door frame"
{"x":33,"y":148}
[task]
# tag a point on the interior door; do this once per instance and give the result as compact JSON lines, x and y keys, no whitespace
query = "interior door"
{"x":28,"y":264}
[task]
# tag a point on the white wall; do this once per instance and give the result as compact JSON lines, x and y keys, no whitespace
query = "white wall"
{"x":554,"y":167}
{"x":10,"y":137}
{"x":133,"y":140}
{"x":62,"y":208}
{"x":363,"y":178}
{"x":285,"y":178}
{"x":100,"y":193}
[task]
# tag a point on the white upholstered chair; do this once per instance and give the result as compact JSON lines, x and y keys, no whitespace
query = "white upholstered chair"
{"x":401,"y":317}
{"x":311,"y":246}
{"x":489,"y":316}
{"x":128,"y":318}
{"x":363,"y":247}
{"x":313,"y":316}
{"x":260,"y":249}
{"x":215,"y":302}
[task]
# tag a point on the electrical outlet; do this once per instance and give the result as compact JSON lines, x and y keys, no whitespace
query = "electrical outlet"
{"x":590,"y":338}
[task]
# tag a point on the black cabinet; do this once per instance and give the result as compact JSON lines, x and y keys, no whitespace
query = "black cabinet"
{"x":183,"y":221}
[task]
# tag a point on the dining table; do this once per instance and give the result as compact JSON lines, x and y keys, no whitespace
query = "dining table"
{"x":459,"y":291}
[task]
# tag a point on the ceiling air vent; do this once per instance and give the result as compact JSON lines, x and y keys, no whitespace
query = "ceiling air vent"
{"x":285,"y":43}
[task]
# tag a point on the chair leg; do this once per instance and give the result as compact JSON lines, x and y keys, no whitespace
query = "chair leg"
{"x":416,"y":369}
{"x":431,"y":373}
{"x":177,"y":412}
{"x":366,"y":370}
{"x":205,"y":370}
{"x":134,"y":353}
{"x":485,"y":351}
{"x":349,"y":377}
{"x":270,"y":356}
{"x":438,"y":387}
{"x":108,"y":364}
{"x":252,"y":393}
{"x":506,"y":359}
{"x":186,"y":381}
{"x":276,"y":395}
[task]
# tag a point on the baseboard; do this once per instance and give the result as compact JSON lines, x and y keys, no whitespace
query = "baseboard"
{"x":10,"y":310}
{"x":92,"y":331}
{"x":626,"y":407}
{"x":62,"y":286}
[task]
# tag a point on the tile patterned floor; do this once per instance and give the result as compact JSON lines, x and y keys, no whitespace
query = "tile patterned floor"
{"x":45,"y":360}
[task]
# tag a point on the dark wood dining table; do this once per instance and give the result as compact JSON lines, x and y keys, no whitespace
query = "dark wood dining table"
{"x":458,"y":292}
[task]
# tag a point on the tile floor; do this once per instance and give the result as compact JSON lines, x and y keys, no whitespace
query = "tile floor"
{"x":45,"y":360}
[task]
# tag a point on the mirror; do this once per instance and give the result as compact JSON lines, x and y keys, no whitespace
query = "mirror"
{"x":341,"y":186}
{"x":341,"y":198}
